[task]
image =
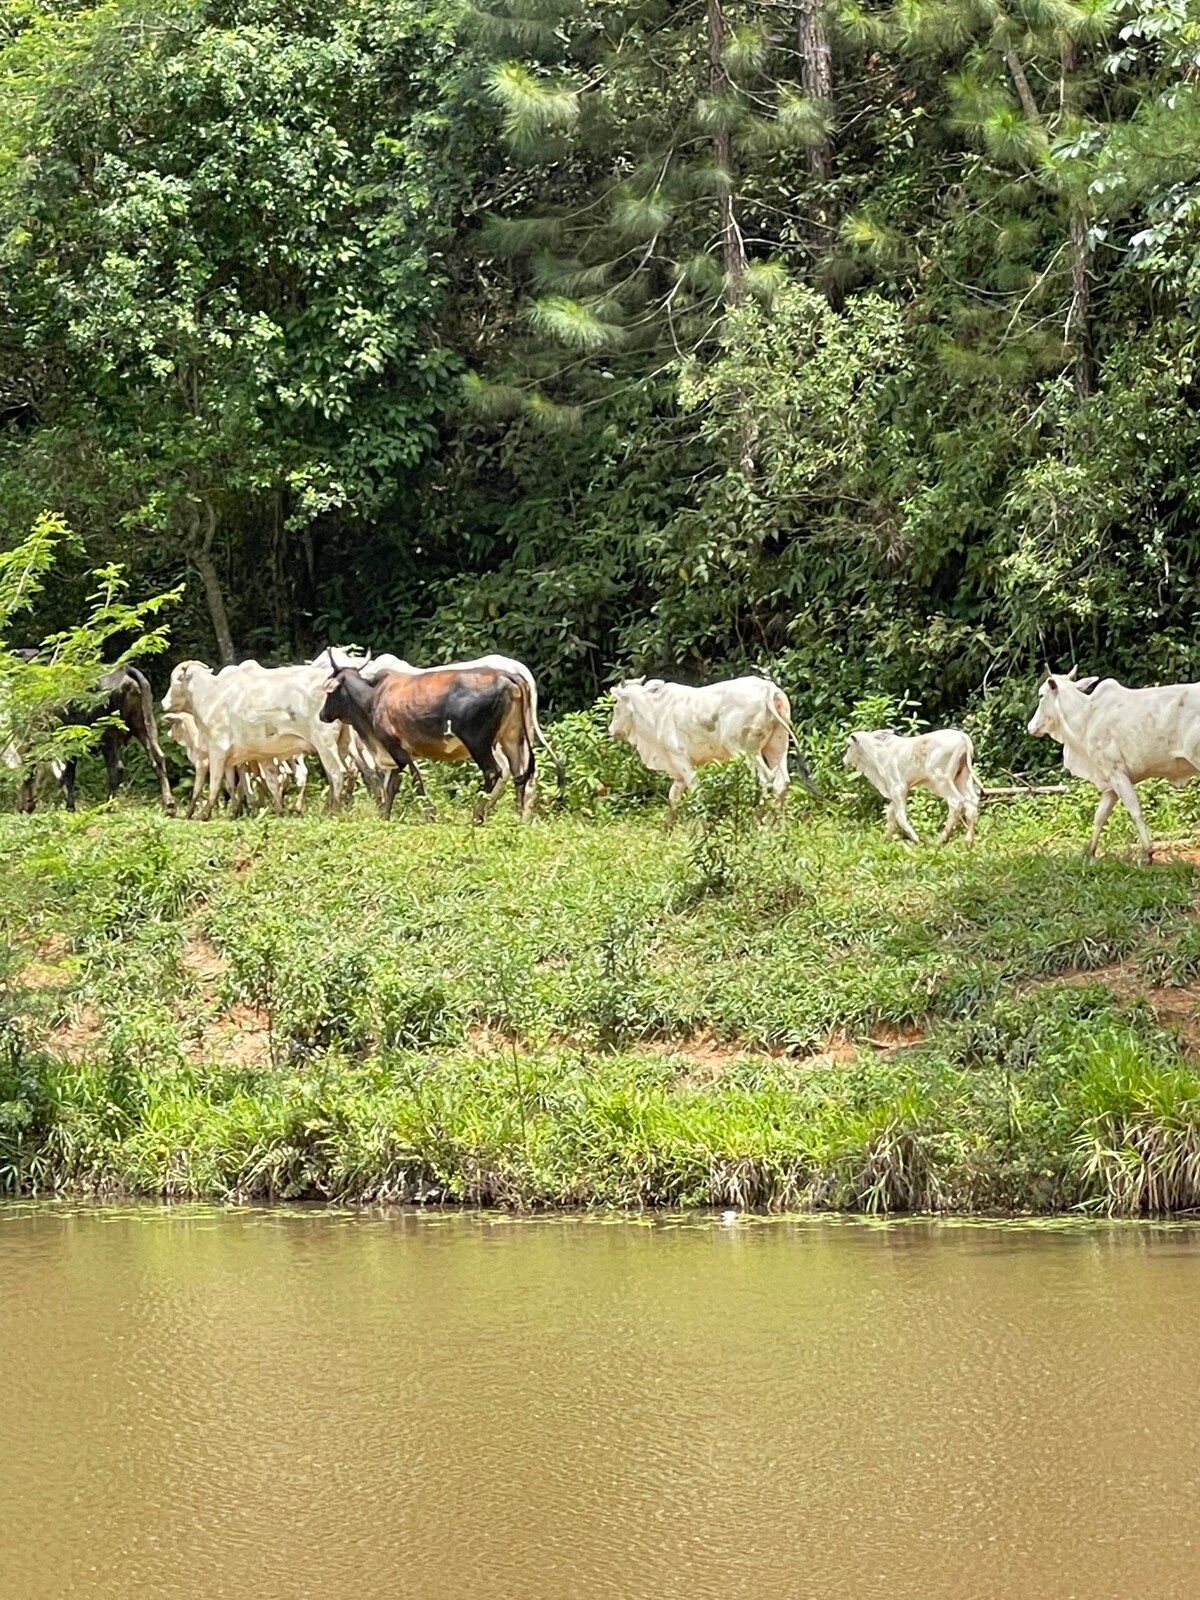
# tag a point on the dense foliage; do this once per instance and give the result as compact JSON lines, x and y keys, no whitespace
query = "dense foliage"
{"x":850,"y":338}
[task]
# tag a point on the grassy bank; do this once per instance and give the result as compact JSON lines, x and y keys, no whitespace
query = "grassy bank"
{"x":584,"y":1011}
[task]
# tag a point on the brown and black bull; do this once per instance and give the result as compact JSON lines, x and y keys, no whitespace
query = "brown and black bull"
{"x":441,"y":714}
{"x":125,"y":695}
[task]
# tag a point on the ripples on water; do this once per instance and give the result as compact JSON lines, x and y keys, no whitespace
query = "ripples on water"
{"x":199,"y":1404}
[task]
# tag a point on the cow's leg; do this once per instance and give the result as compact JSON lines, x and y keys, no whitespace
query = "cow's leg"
{"x":140,"y":724}
{"x":493,"y":783}
{"x":900,"y":812}
{"x":112,"y":744}
{"x":970,"y":805}
{"x":954,"y":812}
{"x":274,"y":779}
{"x":198,"y":782}
{"x":386,"y":789}
{"x":1129,"y":799}
{"x":66,"y":780}
{"x":217,"y":762}
{"x":403,"y":761}
{"x":682,"y":783}
{"x":300,"y":769}
{"x":1108,"y":800}
{"x":27,"y":794}
{"x":515,"y":756}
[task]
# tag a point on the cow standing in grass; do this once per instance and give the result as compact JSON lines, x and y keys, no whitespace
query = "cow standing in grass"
{"x":1117,"y":737}
{"x":676,"y":729}
{"x":249,"y":714}
{"x":126,"y":697}
{"x":441,"y":714}
{"x":385,"y":781}
{"x":896,"y":764}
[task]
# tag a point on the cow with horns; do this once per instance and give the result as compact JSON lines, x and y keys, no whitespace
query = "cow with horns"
{"x":440,"y":714}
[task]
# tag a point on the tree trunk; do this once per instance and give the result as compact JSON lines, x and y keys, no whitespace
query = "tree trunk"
{"x":733,"y":248}
{"x":1021,"y":84}
{"x":816,"y":79}
{"x":202,"y":559}
{"x":1078,"y":330}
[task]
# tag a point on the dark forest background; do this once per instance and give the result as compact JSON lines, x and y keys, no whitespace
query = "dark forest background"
{"x":857,"y":341}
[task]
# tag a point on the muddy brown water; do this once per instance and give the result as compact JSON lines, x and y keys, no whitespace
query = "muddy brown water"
{"x":276,"y":1405}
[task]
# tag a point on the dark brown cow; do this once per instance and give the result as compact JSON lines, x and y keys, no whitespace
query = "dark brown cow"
{"x":442,"y":714}
{"x":125,"y":696}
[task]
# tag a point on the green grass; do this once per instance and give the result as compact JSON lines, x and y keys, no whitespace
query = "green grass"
{"x":585,"y":1011}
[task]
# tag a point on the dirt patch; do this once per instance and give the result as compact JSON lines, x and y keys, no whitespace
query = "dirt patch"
{"x":703,"y":1060}
{"x":205,"y":964}
{"x":239,"y":1037}
{"x":77,"y":1036}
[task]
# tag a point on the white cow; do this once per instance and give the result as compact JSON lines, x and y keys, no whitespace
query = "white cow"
{"x":377,"y":763}
{"x":271,"y":776}
{"x":675,"y":729}
{"x":895,"y":764}
{"x":1117,"y":737}
{"x":249,"y":714}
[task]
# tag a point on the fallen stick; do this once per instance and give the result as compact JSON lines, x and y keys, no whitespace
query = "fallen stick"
{"x":1025,"y":788}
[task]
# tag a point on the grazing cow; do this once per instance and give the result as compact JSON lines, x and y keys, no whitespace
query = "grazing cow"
{"x":941,"y":761}
{"x":247,"y":715}
{"x":373,"y":666}
{"x":676,"y":729}
{"x":1117,"y":737}
{"x":441,"y":714}
{"x":125,"y":696}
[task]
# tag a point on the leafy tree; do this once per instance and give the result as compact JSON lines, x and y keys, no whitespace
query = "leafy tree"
{"x":66,"y":669}
{"x":224,"y":271}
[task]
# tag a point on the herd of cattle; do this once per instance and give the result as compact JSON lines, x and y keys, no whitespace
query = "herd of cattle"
{"x":249,"y":731}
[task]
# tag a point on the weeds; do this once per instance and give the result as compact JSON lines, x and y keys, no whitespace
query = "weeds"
{"x":591,"y":1012}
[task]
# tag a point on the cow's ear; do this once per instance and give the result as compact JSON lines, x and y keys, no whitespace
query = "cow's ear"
{"x":1087,"y":683}
{"x":1052,"y":685}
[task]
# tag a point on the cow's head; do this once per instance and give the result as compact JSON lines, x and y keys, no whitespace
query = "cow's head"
{"x":858,"y":746}
{"x":179,"y":691}
{"x":1047,"y":720}
{"x":621,"y":725}
{"x":339,"y":691}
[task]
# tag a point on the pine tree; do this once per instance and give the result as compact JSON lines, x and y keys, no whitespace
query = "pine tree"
{"x":632,"y":128}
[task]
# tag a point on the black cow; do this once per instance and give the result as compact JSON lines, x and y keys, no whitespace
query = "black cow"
{"x":126,"y":696}
{"x":443,"y":714}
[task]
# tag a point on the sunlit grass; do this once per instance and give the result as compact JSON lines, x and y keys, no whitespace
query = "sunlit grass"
{"x":588,"y":1011}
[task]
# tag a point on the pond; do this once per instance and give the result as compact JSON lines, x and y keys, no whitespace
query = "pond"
{"x":202,"y":1403}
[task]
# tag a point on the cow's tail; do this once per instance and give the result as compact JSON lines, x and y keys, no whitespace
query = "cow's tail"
{"x":964,"y":773}
{"x":806,"y":777}
{"x":560,"y":772}
{"x":529,"y":725}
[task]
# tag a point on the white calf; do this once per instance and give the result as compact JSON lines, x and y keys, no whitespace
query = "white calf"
{"x":941,"y":762}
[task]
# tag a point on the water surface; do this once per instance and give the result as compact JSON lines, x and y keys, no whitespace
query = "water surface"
{"x":198,"y":1404}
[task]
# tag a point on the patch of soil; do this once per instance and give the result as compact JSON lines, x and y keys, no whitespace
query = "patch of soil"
{"x":204,"y":963}
{"x":240,"y":1037}
{"x":704,"y":1060}
{"x":78,"y":1036}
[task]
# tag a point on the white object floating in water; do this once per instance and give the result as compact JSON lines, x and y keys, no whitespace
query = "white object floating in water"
{"x":729,"y":1216}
